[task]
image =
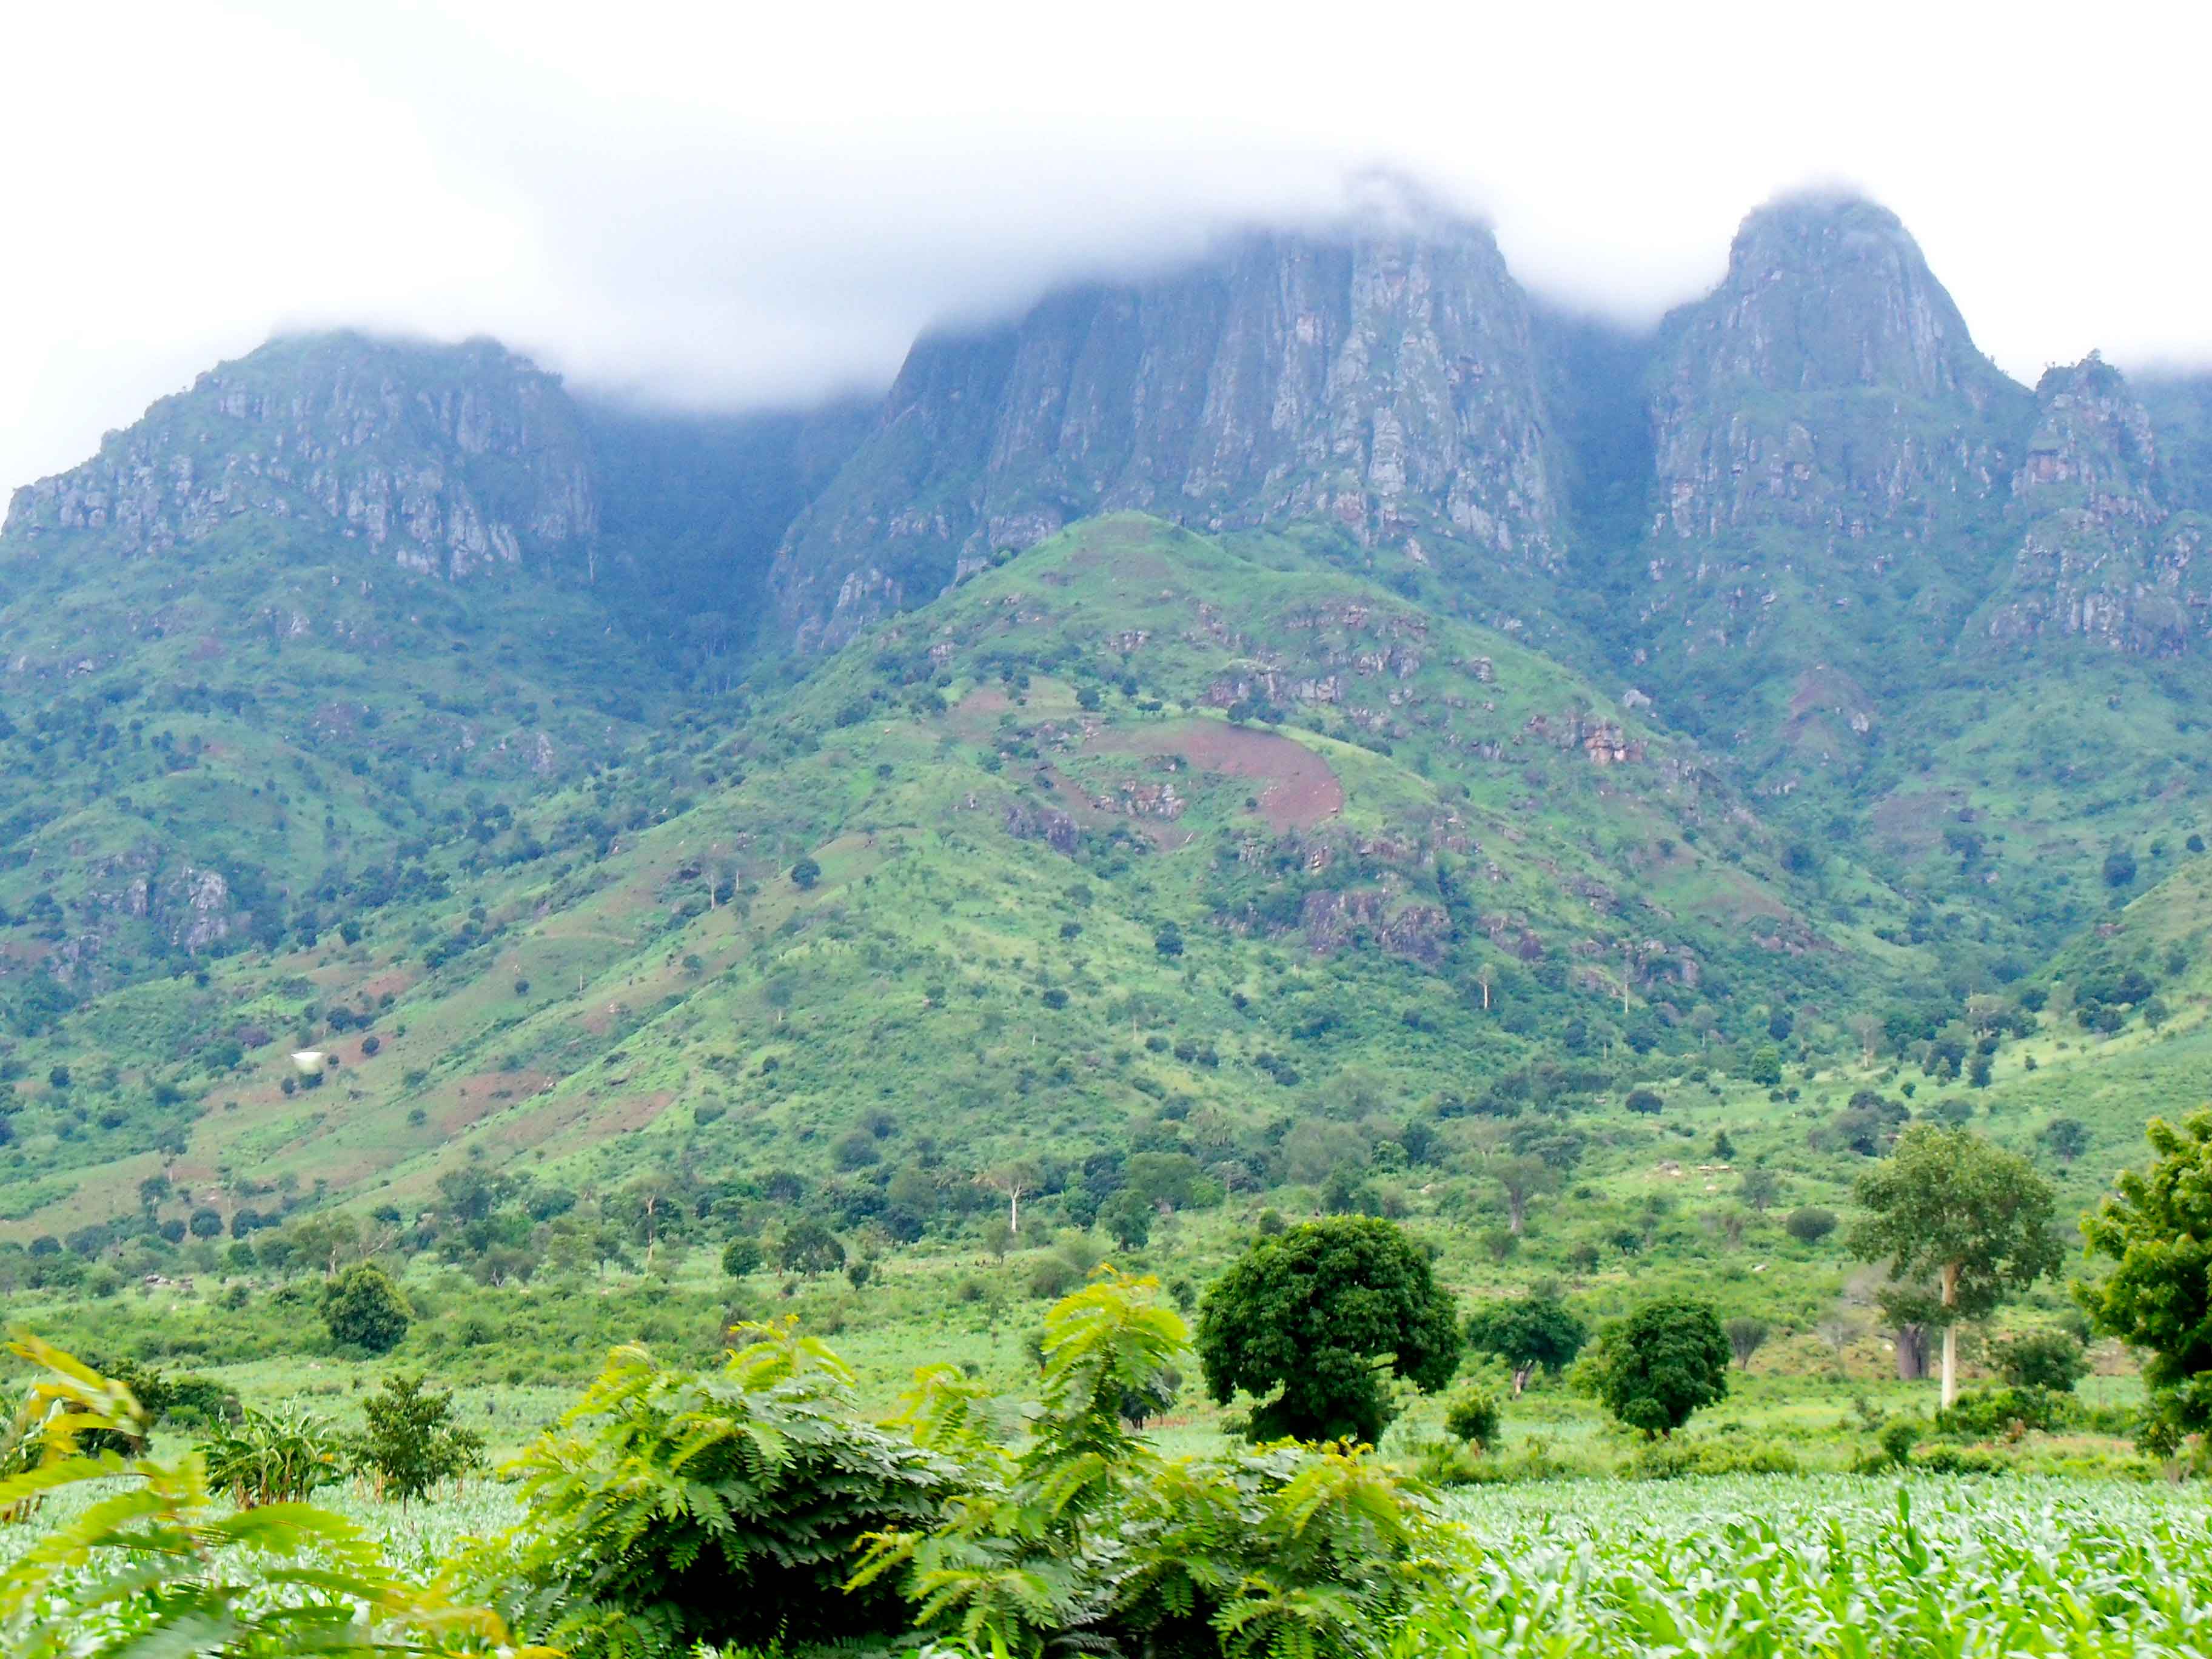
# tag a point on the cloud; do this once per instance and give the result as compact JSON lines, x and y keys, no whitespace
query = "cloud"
{"x":718,"y":205}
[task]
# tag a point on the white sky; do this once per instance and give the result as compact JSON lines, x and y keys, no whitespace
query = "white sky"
{"x":734,"y":203}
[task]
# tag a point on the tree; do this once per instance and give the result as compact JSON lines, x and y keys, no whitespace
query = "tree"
{"x":2156,"y":1229}
{"x":1760,"y":1188}
{"x":1746,"y":1337}
{"x":741,"y":1256}
{"x":1520,"y":1178}
{"x":2065,"y":1138}
{"x":364,"y":1309}
{"x":808,"y":1247}
{"x":1977,"y":1218}
{"x":1647,"y":1103}
{"x":1127,"y":1219}
{"x":1012,"y":1181}
{"x":206,"y":1224}
{"x":2042,"y":1359}
{"x":1660,"y":1364}
{"x":1472,"y":1415}
{"x":1536,"y":1332}
{"x":805,"y":874}
{"x":1311,"y":1317}
{"x":411,"y":1442}
{"x":1809,"y":1223}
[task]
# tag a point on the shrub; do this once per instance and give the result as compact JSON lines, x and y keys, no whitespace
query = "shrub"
{"x":1986,"y":1413}
{"x":363,"y":1308}
{"x":1673,"y":1460}
{"x":671,"y":1509}
{"x":1898,"y":1439}
{"x":2052,"y":1360}
{"x":411,"y":1442}
{"x":1472,"y":1415}
{"x":1809,"y":1223}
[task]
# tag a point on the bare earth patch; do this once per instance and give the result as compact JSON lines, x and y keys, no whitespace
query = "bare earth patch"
{"x":1300,"y":792}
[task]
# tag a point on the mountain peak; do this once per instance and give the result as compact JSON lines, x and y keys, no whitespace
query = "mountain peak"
{"x":446,"y":458}
{"x":1829,"y":289}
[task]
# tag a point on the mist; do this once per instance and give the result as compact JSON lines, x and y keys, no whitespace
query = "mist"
{"x":714,"y":208}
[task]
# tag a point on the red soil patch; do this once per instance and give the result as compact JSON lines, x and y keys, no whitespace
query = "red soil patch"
{"x":985,"y":700}
{"x":1301,"y":790}
{"x":486,"y":1092}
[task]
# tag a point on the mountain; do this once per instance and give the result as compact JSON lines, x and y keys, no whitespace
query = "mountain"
{"x":1830,"y":454}
{"x":1376,"y":384}
{"x":1314,"y":700}
{"x":446,"y":462}
{"x":1139,"y":828}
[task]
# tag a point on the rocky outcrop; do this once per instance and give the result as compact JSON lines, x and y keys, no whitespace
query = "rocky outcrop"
{"x":446,"y":460}
{"x":1380,"y":379}
{"x":2102,"y":556}
{"x":1827,"y":389}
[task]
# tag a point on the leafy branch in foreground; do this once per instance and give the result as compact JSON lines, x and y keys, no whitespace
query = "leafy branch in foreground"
{"x":154,"y":1565}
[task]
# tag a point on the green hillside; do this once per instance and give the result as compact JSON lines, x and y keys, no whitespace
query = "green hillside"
{"x":1061,"y":887}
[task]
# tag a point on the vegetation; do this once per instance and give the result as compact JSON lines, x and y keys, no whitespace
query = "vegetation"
{"x":1947,"y":1205}
{"x":1664,"y":1362}
{"x":2157,"y":1230}
{"x":1303,"y":1322}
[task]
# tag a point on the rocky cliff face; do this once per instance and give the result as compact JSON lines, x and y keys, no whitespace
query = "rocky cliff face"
{"x":1818,"y":416}
{"x":445,"y":460}
{"x":2102,"y":556}
{"x":1382,"y":382}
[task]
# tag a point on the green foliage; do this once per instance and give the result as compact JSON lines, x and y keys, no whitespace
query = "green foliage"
{"x":151,"y":1564}
{"x":741,"y":1256}
{"x":1304,"y":1320}
{"x":1088,"y":1538}
{"x":2049,"y":1360}
{"x":808,"y":1247}
{"x":410,"y":1443}
{"x":274,"y":1458}
{"x":1665,"y":1361}
{"x":1949,"y":1206}
{"x":2156,"y":1230}
{"x":1745,"y":1569}
{"x":1809,"y":1223}
{"x":1472,"y":1413}
{"x":1533,"y":1332}
{"x":363,"y":1308}
{"x":670,"y":1507}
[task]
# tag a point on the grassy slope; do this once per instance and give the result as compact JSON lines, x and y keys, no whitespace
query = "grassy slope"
{"x":915,"y":974}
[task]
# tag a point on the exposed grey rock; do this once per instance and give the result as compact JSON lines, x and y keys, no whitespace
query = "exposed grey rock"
{"x":447,"y":460}
{"x":1380,"y":379}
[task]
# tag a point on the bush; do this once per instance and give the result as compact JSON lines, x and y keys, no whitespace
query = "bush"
{"x":363,"y":1308}
{"x":1809,"y":1223}
{"x":411,"y":1442}
{"x":671,"y":1509}
{"x":1984,"y":1414}
{"x":2053,"y":1360}
{"x":1673,"y":1460}
{"x":1472,"y":1415}
{"x":1898,"y":1439}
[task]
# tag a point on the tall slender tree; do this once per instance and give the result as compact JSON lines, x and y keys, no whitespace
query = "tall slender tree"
{"x":1948,"y":1209}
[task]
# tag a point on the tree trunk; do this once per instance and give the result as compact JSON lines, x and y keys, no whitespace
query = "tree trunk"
{"x":1521,"y":1379}
{"x":1517,"y":1211}
{"x":1950,"y":1336}
{"x":1911,"y":1353}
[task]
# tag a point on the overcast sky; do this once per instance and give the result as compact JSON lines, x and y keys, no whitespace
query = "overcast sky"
{"x":732,"y":204}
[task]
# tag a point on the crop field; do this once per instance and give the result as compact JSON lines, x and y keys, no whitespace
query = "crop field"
{"x":1750,"y":1566}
